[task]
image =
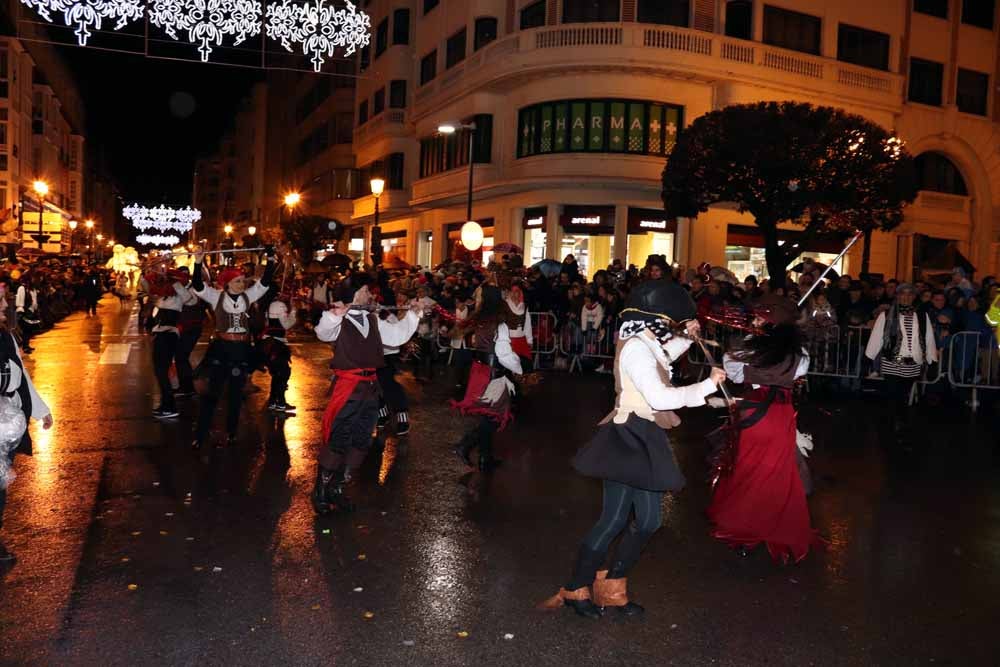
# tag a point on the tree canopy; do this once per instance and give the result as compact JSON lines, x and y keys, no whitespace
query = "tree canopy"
{"x":819,"y":167}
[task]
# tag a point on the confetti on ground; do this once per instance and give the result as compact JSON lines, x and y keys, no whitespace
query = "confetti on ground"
{"x":156,"y":483}
{"x":408,"y":642}
{"x":384,"y":513}
{"x":508,"y":636}
{"x":189,"y":539}
{"x":673,"y":626}
{"x":136,"y":533}
{"x":326,"y":531}
{"x":163,"y":532}
{"x":361,"y":526}
{"x":358,"y":589}
{"x":198,"y":568}
{"x":169,"y":514}
{"x":125,"y":559}
{"x":369,"y":614}
{"x":463,"y":634}
{"x":362,"y":557}
{"x":216,"y":569}
{"x":315,"y":607}
{"x":133,"y":587}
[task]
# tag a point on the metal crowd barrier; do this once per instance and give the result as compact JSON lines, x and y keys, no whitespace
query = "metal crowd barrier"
{"x":973,"y":363}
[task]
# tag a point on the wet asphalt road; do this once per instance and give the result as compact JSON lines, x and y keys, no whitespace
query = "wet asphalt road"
{"x":134,"y":550}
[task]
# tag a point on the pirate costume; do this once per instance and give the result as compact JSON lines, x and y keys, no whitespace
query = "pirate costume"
{"x":350,"y":416}
{"x":393,"y":394}
{"x":190,"y":327}
{"x":631,"y":452}
{"x":762,"y":497}
{"x":26,"y":305}
{"x":277,"y":355}
{"x":19,"y":402}
{"x":489,"y":389}
{"x":228,"y":360}
{"x":166,"y":338}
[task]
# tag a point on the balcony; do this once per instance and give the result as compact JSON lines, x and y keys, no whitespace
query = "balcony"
{"x":663,"y":49}
{"x":939,"y":214}
{"x":390,"y":201}
{"x":390,"y":122}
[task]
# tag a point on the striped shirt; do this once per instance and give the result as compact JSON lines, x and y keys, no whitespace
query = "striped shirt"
{"x":908,"y":322}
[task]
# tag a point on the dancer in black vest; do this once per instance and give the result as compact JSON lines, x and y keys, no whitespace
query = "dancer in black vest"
{"x":165,"y":339}
{"x":26,"y":304}
{"x":229,"y":358}
{"x":277,"y":355}
{"x":351,"y":414}
{"x":190,"y":327}
{"x":16,"y":387}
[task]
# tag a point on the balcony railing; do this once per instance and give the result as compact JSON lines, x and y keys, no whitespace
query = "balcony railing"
{"x":942,"y":201}
{"x":388,"y":120}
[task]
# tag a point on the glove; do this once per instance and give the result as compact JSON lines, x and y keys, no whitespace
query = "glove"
{"x":804,"y":442}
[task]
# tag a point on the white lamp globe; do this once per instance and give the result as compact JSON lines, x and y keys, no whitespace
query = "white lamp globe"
{"x":472,"y":235}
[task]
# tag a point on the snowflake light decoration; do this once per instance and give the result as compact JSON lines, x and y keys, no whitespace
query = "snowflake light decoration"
{"x":318,"y":28}
{"x":146,"y":239}
{"x":87,"y":14}
{"x":161,"y":217}
{"x":207,"y":21}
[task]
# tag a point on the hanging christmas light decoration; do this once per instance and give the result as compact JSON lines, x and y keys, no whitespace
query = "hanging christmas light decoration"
{"x":146,"y":239}
{"x":161,"y":217}
{"x":319,"y":28}
{"x":207,"y":21}
{"x":89,"y":14}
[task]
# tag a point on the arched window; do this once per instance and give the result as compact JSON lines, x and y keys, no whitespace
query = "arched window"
{"x":587,"y":11}
{"x":937,"y":173}
{"x":666,"y":12}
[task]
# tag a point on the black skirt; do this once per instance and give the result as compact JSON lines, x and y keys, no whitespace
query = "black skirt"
{"x":636,"y":453}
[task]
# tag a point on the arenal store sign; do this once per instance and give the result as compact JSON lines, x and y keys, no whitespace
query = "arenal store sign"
{"x":641,"y":221}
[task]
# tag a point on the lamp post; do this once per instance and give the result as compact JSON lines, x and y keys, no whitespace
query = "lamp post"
{"x":98,"y":250}
{"x":72,"y":234}
{"x":291,"y":200}
{"x":89,"y":224}
{"x":41,"y":188}
{"x":378,"y":187}
{"x":228,"y":230}
{"x":471,"y":229}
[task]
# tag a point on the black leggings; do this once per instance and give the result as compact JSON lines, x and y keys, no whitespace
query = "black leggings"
{"x":164,"y":352}
{"x":228,"y":368}
{"x":279,"y":365}
{"x":182,"y":360}
{"x":619,"y":500}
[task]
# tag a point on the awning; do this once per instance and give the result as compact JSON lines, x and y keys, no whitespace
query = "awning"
{"x":946,"y":259}
{"x":752,"y":237}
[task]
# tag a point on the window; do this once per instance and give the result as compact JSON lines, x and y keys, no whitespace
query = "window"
{"x":978,"y":13}
{"x":382,"y":37}
{"x":428,"y":67}
{"x":401,"y":26}
{"x":394,"y":172}
{"x":973,"y":92}
{"x":3,"y":134}
{"x":344,"y":127}
{"x":666,"y":12}
{"x":590,"y":11}
{"x":363,"y":113}
{"x":863,"y":47}
{"x":378,"y":104}
{"x":739,"y":19}
{"x":792,"y":30}
{"x":937,"y":173}
{"x":926,"y":80}
{"x":397,"y":94}
{"x":3,"y":162}
{"x":429,"y":5}
{"x":533,"y":16}
{"x":486,"y":32}
{"x":366,"y":57}
{"x":932,"y":7}
{"x":440,"y":153}
{"x":455,"y":49}
{"x":314,"y":143}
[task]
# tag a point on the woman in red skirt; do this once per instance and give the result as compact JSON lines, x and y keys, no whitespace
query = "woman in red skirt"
{"x":762,"y":499}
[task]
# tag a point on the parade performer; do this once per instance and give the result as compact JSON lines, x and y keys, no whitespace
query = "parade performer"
{"x":631,"y":451}
{"x":352,"y":411}
{"x":519,"y":322}
{"x":19,"y":403}
{"x":229,"y":358}
{"x":902,"y":340}
{"x":190,"y":326}
{"x":489,"y":390}
{"x":762,"y":498}
{"x":171,"y":292}
{"x":277,"y":355}
{"x":393,"y":394}
{"x":26,"y":304}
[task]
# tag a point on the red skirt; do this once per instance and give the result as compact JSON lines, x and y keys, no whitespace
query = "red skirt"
{"x":480,"y":377}
{"x":763,"y":500}
{"x":521,"y":347}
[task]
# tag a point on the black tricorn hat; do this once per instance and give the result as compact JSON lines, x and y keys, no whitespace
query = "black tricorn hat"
{"x":657,"y":300}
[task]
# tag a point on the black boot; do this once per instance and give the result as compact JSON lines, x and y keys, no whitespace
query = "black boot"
{"x":321,"y":500}
{"x":616,"y":578}
{"x":339,"y":501}
{"x":486,"y":461}
{"x":584,"y":571}
{"x":464,"y":448}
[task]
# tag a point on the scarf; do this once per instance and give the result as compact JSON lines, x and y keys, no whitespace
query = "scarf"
{"x":660,"y":328}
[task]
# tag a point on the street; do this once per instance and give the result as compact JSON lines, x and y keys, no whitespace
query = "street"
{"x":132,"y":549}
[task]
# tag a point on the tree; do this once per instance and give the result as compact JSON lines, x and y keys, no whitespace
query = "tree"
{"x":819,"y":167}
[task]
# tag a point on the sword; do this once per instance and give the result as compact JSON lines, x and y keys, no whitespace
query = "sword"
{"x":830,"y":267}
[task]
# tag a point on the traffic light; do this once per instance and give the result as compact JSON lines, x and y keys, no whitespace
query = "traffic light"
{"x":376,"y":251}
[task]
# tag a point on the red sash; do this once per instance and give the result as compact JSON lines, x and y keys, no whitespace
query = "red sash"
{"x":342,"y":390}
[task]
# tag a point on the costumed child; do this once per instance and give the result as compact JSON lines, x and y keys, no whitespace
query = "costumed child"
{"x":169,"y":289}
{"x":229,"y":358}
{"x":631,"y":452}
{"x":519,"y":322}
{"x":359,"y":337}
{"x":760,"y":496}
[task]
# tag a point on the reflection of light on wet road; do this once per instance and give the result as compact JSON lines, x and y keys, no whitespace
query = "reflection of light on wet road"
{"x":389,"y":455}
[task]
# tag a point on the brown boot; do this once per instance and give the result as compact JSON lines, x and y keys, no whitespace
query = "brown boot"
{"x":578,"y":600}
{"x":614,"y":593}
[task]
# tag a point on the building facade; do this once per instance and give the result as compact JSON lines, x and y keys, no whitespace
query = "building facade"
{"x":576,"y":104}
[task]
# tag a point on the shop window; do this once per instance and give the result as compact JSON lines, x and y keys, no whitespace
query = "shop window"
{"x":401,"y":26}
{"x":937,"y":8}
{"x":591,"y":11}
{"x":665,"y":12}
{"x":533,"y":16}
{"x":973,"y":92}
{"x":397,"y":94}
{"x":428,"y":67}
{"x":739,"y":19}
{"x":455,"y":49}
{"x":867,"y":48}
{"x":792,"y":30}
{"x":378,"y":103}
{"x":978,"y":13}
{"x":440,"y":153}
{"x":382,"y":37}
{"x":486,"y":32}
{"x":926,"y":81}
{"x":937,"y":173}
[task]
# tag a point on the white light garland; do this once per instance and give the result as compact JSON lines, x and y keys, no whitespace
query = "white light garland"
{"x":162,"y":218}
{"x":87,"y":14}
{"x":207,"y":21}
{"x":146,"y":239}
{"x":319,"y":28}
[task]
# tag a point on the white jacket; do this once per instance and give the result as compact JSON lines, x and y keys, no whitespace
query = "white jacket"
{"x":909,"y":347}
{"x":591,"y":318}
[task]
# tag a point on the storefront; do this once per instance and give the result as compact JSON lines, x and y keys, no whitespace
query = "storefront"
{"x":745,"y":254}
{"x":535,"y":236}
{"x":650,"y":232}
{"x":394,"y":248}
{"x":588,"y":235}
{"x":457,"y":251}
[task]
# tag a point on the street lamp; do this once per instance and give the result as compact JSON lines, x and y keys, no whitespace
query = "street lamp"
{"x":472,"y":225}
{"x":291,"y":200}
{"x":100,"y":253}
{"x":251,"y":230}
{"x":72,"y":234}
{"x":378,"y":187}
{"x":89,"y":224}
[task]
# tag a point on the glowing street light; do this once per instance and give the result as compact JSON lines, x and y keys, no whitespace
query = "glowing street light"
{"x":89,"y":224}
{"x":252,"y":230}
{"x":40,"y":187}
{"x":292,"y":199}
{"x":73,"y":224}
{"x":228,"y":229}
